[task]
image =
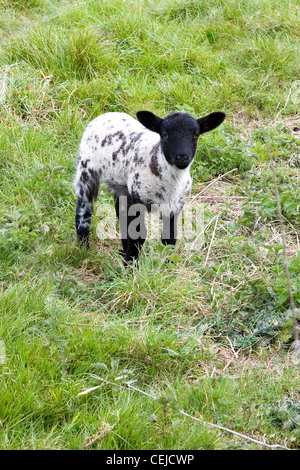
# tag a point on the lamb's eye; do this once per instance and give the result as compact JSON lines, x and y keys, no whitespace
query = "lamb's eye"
{"x":196,"y":135}
{"x":164,"y":136}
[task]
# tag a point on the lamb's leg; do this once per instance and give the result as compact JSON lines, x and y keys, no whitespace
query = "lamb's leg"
{"x":132,"y":225}
{"x":134,"y":244}
{"x":169,"y":231}
{"x":87,"y":187}
{"x":122,"y":217}
{"x":84,"y":211}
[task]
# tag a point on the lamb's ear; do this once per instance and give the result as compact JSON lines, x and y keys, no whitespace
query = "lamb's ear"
{"x":211,"y":121}
{"x":149,"y":120}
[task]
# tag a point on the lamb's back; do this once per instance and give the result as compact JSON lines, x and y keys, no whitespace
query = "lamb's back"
{"x":112,"y":142}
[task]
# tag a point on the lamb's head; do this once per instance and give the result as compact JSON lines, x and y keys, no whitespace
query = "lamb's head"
{"x":179,"y":133}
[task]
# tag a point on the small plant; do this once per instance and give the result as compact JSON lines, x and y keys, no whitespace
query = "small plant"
{"x":285,"y":413}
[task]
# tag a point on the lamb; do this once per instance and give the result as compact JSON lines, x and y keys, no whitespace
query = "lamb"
{"x":146,"y":163}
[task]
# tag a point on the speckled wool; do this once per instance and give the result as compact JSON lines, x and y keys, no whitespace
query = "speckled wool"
{"x":126,"y":154}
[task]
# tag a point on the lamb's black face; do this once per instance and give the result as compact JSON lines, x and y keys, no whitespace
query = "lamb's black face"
{"x":179,"y":133}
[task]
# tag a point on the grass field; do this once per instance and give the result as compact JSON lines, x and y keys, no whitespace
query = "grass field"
{"x":209,"y":335}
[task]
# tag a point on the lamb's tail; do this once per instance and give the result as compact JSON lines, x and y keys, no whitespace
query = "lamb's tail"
{"x":87,"y":183}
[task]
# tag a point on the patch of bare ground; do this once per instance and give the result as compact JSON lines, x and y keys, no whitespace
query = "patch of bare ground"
{"x":293,"y":123}
{"x":241,"y":120}
{"x":235,"y":362}
{"x":216,"y":193}
{"x":221,"y":192}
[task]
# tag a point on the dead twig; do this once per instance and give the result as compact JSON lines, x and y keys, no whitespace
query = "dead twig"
{"x":221,"y":428}
{"x":211,"y":241}
{"x":213,"y":182}
{"x":283,"y":240}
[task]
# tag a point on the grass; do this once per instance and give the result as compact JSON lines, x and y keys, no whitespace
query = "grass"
{"x":210,"y":334}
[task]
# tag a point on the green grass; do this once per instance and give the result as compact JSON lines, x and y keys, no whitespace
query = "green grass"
{"x":210,"y":334}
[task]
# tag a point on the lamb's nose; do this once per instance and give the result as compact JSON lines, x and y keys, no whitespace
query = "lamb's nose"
{"x":182,"y":157}
{"x":182,"y":160}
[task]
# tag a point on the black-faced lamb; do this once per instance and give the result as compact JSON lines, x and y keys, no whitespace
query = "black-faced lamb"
{"x":146,"y":163}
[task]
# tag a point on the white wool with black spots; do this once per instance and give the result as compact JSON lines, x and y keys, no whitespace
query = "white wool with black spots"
{"x":118,"y":150}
